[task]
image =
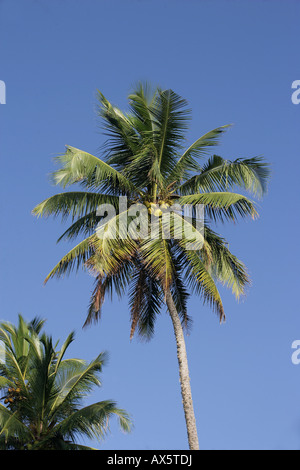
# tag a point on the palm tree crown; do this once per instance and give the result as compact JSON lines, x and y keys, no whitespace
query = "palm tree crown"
{"x":144,"y":160}
{"x":43,"y":393}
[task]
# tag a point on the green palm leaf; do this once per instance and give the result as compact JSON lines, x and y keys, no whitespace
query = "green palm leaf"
{"x":221,"y":175}
{"x":74,"y":259}
{"x":73,"y":204}
{"x":222,"y":205}
{"x":200,"y":148}
{"x":77,"y":166}
{"x":170,"y":114}
{"x":145,"y":297}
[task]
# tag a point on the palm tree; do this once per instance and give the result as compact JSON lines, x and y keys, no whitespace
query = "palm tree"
{"x":144,"y":160}
{"x":43,"y":391}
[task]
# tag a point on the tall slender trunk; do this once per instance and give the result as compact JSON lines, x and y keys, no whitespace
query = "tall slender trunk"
{"x":183,"y":374}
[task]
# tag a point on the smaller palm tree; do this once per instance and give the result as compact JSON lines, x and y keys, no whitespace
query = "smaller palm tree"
{"x":43,"y":392}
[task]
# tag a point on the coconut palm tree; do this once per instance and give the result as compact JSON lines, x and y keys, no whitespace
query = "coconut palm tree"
{"x":145,"y":161}
{"x":43,"y":391}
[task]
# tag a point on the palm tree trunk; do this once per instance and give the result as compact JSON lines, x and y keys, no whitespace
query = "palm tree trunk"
{"x":183,"y":374}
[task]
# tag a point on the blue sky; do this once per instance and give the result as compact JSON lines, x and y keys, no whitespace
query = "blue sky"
{"x":234,"y":61}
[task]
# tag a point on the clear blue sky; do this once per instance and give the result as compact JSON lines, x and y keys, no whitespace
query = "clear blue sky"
{"x":234,"y":61}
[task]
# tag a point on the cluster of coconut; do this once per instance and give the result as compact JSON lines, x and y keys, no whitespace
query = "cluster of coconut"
{"x":156,"y":209}
{"x":13,"y":395}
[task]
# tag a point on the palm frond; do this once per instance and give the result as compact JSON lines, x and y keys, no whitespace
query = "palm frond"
{"x":179,"y":290}
{"x":171,"y":115}
{"x":157,"y":259}
{"x":112,"y":276}
{"x":218,"y":174}
{"x":202,"y":282}
{"x":145,"y":297}
{"x":189,"y":159}
{"x":74,"y":259}
{"x":123,"y":140}
{"x":93,"y":421}
{"x":140,"y":102}
{"x":73,"y":204}
{"x":222,"y":205}
{"x":11,"y":426}
{"x":224,"y":266}
{"x":77,"y":166}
